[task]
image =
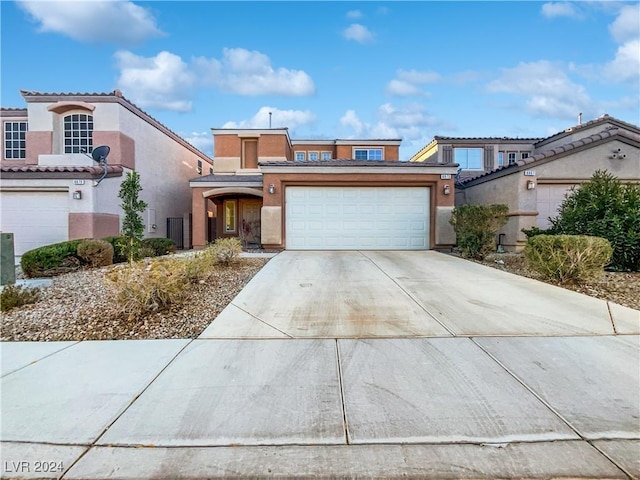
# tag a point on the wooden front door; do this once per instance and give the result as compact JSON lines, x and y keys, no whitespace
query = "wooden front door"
{"x":250,"y":222}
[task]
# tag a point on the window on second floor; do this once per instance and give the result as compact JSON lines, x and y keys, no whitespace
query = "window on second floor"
{"x":512,"y":158}
{"x":524,"y":155}
{"x":326,"y":155}
{"x":15,"y":138}
{"x":199,"y":169}
{"x":313,"y":156}
{"x":500,"y":159}
{"x":367,"y":153}
{"x":300,"y":156}
{"x":78,"y":133}
{"x":468,"y":158}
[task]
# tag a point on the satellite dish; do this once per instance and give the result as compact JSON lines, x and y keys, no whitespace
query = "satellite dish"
{"x":99,"y":154}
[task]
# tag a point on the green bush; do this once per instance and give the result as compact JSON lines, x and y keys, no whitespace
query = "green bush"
{"x":96,"y":253}
{"x":199,"y":266}
{"x":476,"y":227}
{"x":159,"y":246}
{"x":119,"y":254}
{"x":534,"y":231}
{"x":568,"y":258}
{"x":604,"y":207}
{"x":225,"y":250}
{"x":51,"y":260}
{"x":14,"y":296}
{"x":141,"y":288}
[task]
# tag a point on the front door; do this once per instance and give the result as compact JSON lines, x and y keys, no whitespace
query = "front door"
{"x":250,"y":224}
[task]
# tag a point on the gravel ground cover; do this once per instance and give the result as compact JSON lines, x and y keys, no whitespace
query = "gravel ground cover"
{"x":618,"y":287}
{"x":79,"y":307}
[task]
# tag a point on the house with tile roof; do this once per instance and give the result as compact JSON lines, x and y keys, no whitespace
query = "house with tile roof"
{"x":52,"y":190}
{"x":532,"y":176}
{"x":338,"y":194}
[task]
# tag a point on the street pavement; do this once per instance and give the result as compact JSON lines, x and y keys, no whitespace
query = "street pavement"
{"x":348,"y":365}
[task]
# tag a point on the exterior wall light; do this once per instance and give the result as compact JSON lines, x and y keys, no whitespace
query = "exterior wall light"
{"x":272,"y":188}
{"x":446,"y":189}
{"x":77,"y":195}
{"x":531,"y":185}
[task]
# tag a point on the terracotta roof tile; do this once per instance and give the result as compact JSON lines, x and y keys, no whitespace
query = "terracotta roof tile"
{"x":111,"y":169}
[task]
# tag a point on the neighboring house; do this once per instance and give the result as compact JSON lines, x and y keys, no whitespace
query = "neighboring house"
{"x":48,"y":190}
{"x":320,"y":194}
{"x":544,"y":170}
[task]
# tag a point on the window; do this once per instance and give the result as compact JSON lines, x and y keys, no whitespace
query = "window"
{"x":326,"y":155}
{"x":512,"y":158}
{"x":78,"y":133}
{"x":15,"y":140}
{"x":230,"y":216}
{"x":300,"y":156}
{"x":367,"y":153}
{"x":210,"y":170}
{"x":524,"y":155}
{"x":313,"y":156}
{"x":199,"y":169}
{"x":468,"y":158}
{"x":500,"y":159}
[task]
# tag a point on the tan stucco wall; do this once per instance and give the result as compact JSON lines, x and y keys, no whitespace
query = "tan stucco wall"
{"x":226,"y":164}
{"x":271,"y":226}
{"x":93,"y":225}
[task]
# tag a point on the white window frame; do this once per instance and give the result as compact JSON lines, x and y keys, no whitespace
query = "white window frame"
{"x":369,"y":150}
{"x":466,"y":166}
{"x":313,"y":154}
{"x":230,"y":205}
{"x":326,"y":155}
{"x":199,"y":167}
{"x":524,"y":155}
{"x":511,"y":156}
{"x":82,"y":146}
{"x":302,"y":155}
{"x":15,"y":135}
{"x":500,"y":159}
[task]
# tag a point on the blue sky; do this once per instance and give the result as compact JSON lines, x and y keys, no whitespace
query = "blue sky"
{"x":407,"y":70}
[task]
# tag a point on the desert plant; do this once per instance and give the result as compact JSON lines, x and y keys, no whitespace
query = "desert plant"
{"x":199,"y":266}
{"x":604,"y":207}
{"x":14,"y":296}
{"x":141,"y":287}
{"x":225,"y":250}
{"x":95,"y":253}
{"x":132,"y":223}
{"x":159,"y":246}
{"x":51,"y":260}
{"x":476,"y":227}
{"x":568,"y":258}
{"x":119,"y":255}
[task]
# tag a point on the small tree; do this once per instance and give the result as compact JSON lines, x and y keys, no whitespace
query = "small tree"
{"x":132,"y":224}
{"x":604,"y":207}
{"x":476,"y":227}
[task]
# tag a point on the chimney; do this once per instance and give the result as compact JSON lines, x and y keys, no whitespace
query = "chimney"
{"x":580,"y":119}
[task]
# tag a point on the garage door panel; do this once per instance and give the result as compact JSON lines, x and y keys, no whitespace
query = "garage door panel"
{"x":357,"y":217}
{"x":548,"y":200}
{"x":35,"y":218}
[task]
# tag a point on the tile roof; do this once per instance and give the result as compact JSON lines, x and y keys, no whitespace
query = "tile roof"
{"x":228,"y":178}
{"x":601,"y":119}
{"x":496,"y":139}
{"x":348,"y":163}
{"x":111,"y":169}
{"x":607,"y":133}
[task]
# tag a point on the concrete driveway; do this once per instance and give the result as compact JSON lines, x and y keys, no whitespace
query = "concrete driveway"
{"x":343,"y":364}
{"x":406,"y":294}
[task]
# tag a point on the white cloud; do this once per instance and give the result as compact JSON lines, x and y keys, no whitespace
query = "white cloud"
{"x":626,"y":26}
{"x":560,"y":9}
{"x":407,"y":83}
{"x":166,"y":81}
{"x":279,"y":118}
{"x":358,"y":33}
{"x":401,"y":88}
{"x":352,"y":122}
{"x":419,"y":78}
{"x":121,"y":22}
{"x":547,"y":89}
{"x":354,"y":14}
{"x":162,"y":81}
{"x":203,"y":141}
{"x":625,"y":67}
{"x":246,"y":72}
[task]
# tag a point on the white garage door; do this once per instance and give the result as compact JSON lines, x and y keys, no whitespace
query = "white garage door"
{"x":35,"y":218}
{"x":357,"y":218}
{"x":549,"y":199}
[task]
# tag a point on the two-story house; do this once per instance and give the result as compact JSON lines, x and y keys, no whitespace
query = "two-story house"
{"x":533,"y":175}
{"x":51,"y":188}
{"x":341,"y":194}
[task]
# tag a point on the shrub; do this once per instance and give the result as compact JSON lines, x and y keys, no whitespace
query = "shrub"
{"x":534,"y":231}
{"x":132,"y":223}
{"x":119,"y":255}
{"x":476,"y":227}
{"x":199,"y":267}
{"x":568,"y":258}
{"x":96,"y":253}
{"x":604,"y":207}
{"x":51,"y":260}
{"x":225,"y":250}
{"x":159,"y":246}
{"x":13,"y":296}
{"x":141,"y":287}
